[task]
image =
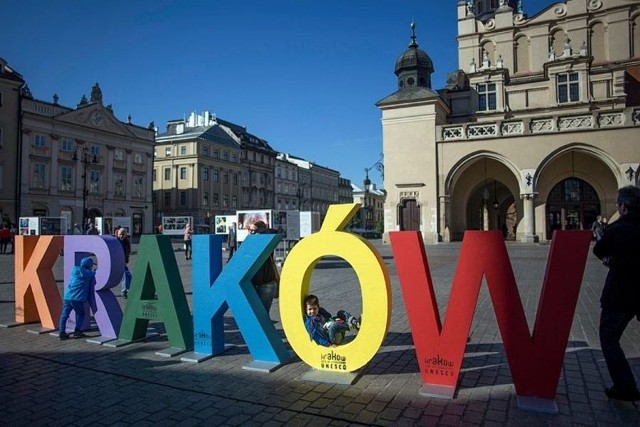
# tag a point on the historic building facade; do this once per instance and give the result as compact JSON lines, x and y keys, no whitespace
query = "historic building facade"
{"x":81,"y":163}
{"x":11,"y":83}
{"x":197,"y":170}
{"x":535,"y":132}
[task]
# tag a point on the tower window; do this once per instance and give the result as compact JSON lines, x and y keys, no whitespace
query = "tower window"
{"x":486,"y":96}
{"x":568,"y":87}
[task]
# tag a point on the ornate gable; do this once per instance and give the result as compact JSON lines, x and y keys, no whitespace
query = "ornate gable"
{"x":94,"y":115}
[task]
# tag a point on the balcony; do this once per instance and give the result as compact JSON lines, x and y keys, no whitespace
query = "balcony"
{"x":629,"y":117}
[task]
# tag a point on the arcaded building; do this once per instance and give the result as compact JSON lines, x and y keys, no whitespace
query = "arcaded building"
{"x":535,"y":132}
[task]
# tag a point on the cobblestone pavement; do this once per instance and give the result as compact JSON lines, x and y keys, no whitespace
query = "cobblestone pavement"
{"x":44,"y":381}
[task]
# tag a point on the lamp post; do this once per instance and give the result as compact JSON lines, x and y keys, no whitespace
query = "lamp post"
{"x":367,"y":184}
{"x":300,"y":193}
{"x":85,"y":158}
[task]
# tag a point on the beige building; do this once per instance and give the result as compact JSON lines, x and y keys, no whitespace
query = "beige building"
{"x":11,"y":83}
{"x":534,"y":133}
{"x":81,"y":163}
{"x":197,"y":170}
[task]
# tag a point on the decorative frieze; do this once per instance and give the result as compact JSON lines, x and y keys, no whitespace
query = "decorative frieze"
{"x":610,"y":120}
{"x":575,"y":123}
{"x":512,"y":128}
{"x":482,"y":131}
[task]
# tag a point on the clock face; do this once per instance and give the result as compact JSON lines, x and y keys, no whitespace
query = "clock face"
{"x":96,"y":118}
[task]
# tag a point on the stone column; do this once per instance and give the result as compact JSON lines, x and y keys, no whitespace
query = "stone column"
{"x":529,"y":218}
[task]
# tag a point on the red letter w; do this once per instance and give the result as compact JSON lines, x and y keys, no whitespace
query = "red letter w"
{"x":535,"y":360}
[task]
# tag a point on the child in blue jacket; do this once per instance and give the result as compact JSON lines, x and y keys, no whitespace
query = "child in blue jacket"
{"x":324,"y":329}
{"x":75,"y":296}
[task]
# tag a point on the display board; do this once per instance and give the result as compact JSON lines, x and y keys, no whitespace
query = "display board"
{"x":223,"y":222}
{"x":175,"y":225}
{"x":309,"y":223}
{"x":107,"y":224}
{"x":250,"y":217}
{"x":42,"y":225}
{"x":287,"y":223}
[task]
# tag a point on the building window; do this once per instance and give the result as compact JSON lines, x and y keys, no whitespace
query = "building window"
{"x":40,"y":140}
{"x":137,"y":158}
{"x":138,"y":186}
{"x":235,"y":178}
{"x":183,"y":173}
{"x":183,"y":150}
{"x":67,"y":145}
{"x":118,"y":185}
{"x":66,"y":178}
{"x":167,"y":152}
{"x":234,"y":201}
{"x":216,"y":175}
{"x":568,"y":87}
{"x":234,"y":157}
{"x":225,"y":155}
{"x":205,"y":198}
{"x":205,"y":173}
{"x":486,"y":96}
{"x":225,"y":201}
{"x":94,"y":149}
{"x":118,"y":154}
{"x":225,"y":177}
{"x":167,"y":174}
{"x":214,"y":154}
{"x":183,"y":198}
{"x":39,"y":174}
{"x":94,"y":182}
{"x":205,"y":150}
{"x":216,"y":200}
{"x":167,"y":198}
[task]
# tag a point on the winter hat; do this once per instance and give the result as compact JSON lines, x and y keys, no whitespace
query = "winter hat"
{"x":87,"y":262}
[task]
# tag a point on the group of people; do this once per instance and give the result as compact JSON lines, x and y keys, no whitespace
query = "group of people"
{"x":6,"y":237}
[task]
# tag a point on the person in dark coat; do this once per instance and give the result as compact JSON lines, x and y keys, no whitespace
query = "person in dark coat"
{"x":267,"y":278}
{"x":124,"y":240}
{"x":232,"y":240}
{"x":619,"y":248}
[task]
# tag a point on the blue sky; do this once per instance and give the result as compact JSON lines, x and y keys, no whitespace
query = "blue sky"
{"x":303,"y":74}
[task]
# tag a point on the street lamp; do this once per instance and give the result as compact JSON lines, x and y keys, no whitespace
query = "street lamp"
{"x":367,"y":184}
{"x":300,"y":194}
{"x":85,"y":158}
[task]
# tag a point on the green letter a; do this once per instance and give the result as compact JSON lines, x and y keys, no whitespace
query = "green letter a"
{"x":157,"y":294}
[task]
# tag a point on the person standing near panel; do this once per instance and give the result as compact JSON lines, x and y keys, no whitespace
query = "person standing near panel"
{"x":232,"y":240}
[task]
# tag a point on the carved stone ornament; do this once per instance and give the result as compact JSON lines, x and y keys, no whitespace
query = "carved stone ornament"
{"x":409,"y":195}
{"x":560,"y":10}
{"x":594,"y":5}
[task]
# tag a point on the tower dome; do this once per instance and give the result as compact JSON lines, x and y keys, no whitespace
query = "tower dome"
{"x":414,"y":67}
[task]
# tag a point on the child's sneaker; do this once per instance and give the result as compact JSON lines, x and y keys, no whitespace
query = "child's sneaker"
{"x":355,"y":322}
{"x":63,"y":336}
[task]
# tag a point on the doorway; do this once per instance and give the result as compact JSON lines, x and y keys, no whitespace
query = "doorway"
{"x":572,"y":204}
{"x":409,"y":214}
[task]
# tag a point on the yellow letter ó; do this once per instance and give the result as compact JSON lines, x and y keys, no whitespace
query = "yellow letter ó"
{"x":374,"y":283}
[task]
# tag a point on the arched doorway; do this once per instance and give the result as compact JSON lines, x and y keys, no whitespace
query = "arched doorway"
{"x":572,"y":204}
{"x":409,"y":215}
